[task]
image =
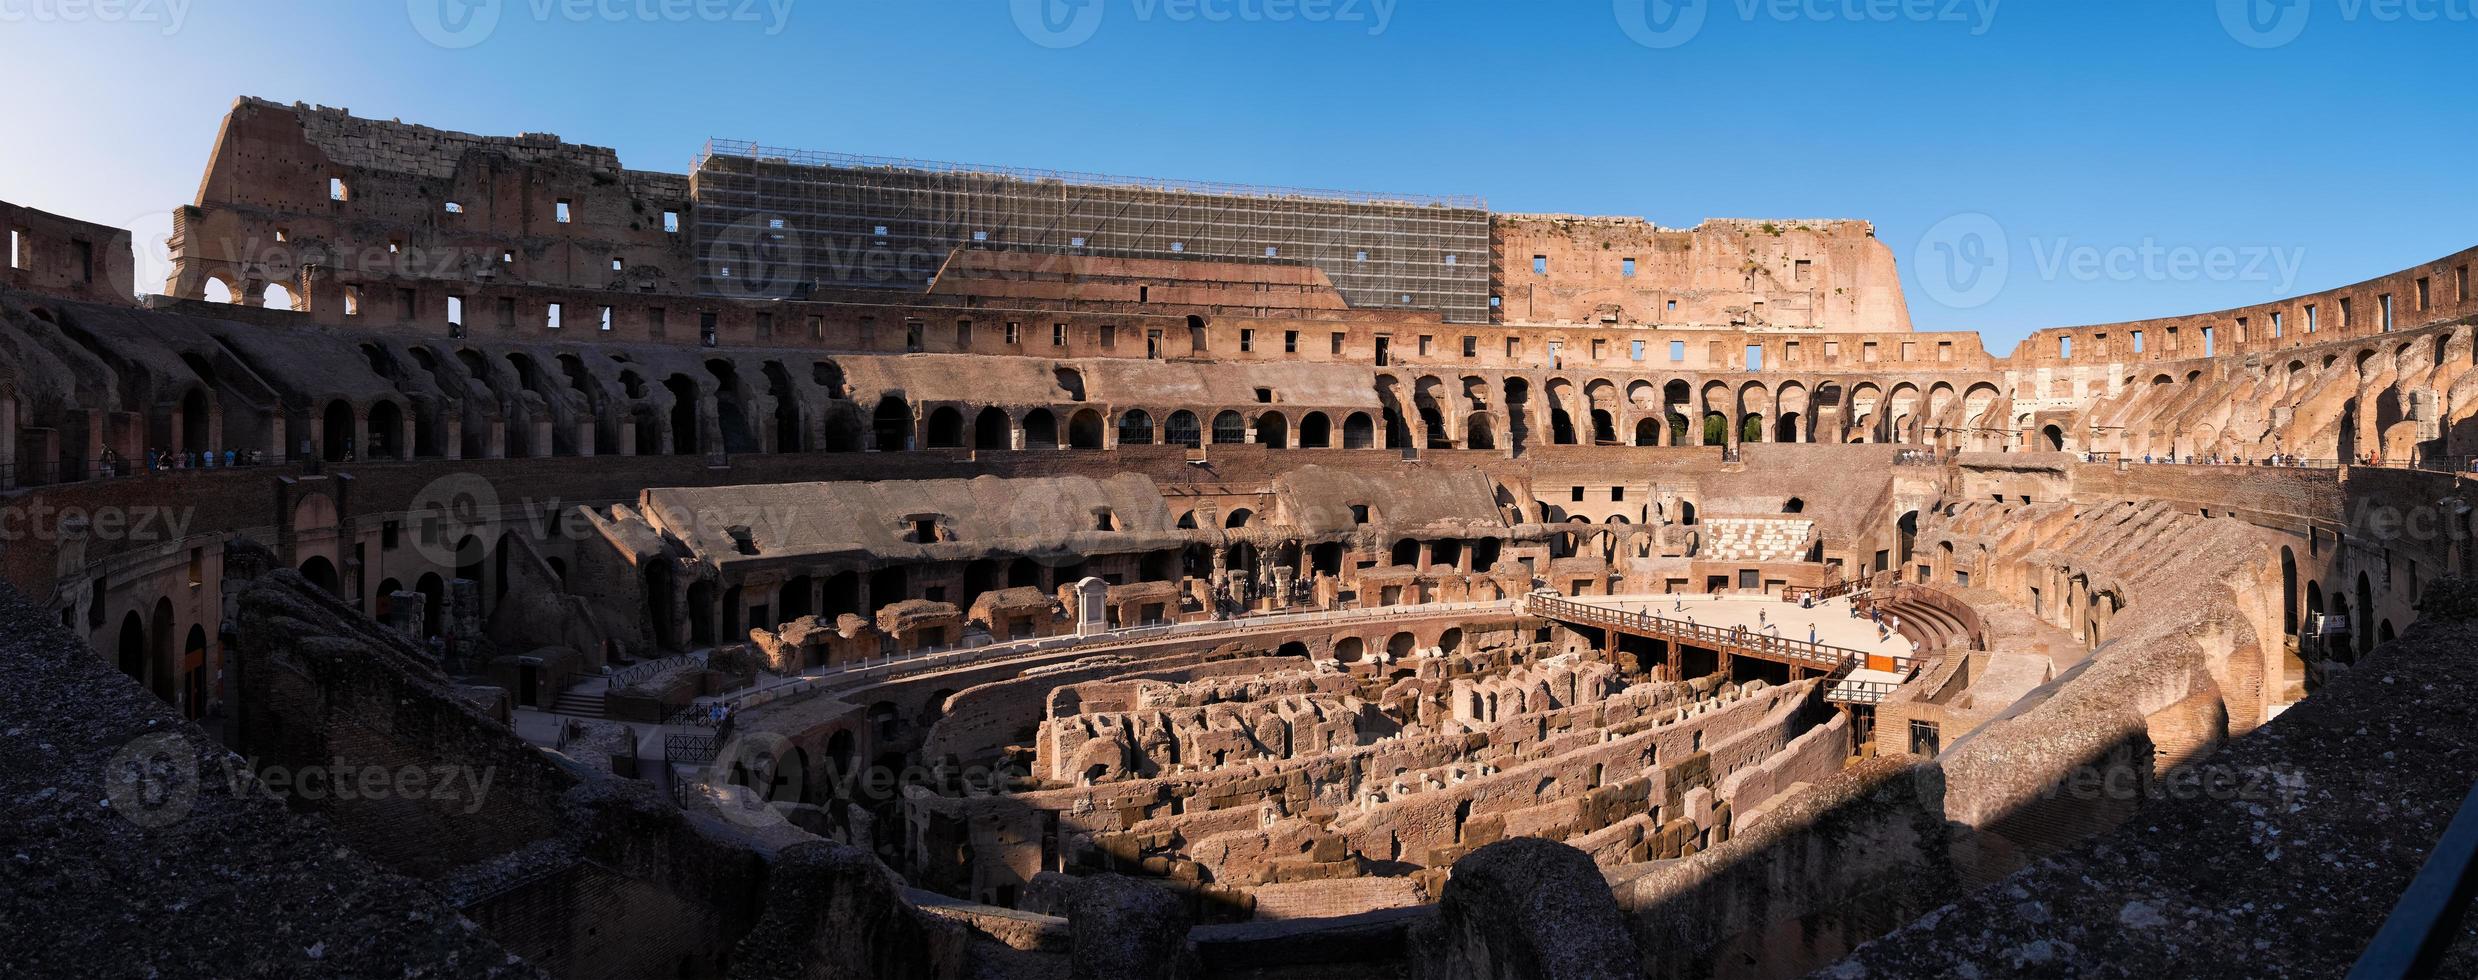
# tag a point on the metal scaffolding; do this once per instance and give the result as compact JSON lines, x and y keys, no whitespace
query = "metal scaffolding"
{"x":777,"y":223}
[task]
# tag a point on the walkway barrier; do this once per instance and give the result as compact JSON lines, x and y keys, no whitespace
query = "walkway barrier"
{"x":1737,"y":641}
{"x":1846,"y":691}
{"x":896,"y":665}
{"x":2427,"y":919}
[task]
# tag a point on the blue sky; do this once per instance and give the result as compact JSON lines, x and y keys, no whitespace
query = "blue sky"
{"x":2126,"y":158}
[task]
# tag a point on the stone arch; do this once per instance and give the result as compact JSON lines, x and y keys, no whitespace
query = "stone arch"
{"x":946,"y":428}
{"x":1040,"y":429}
{"x":1135,"y":428}
{"x":991,"y":431}
{"x":891,"y":423}
{"x":1084,"y":430}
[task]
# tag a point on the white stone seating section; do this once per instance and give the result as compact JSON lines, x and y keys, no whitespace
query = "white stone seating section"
{"x":1756,"y":538}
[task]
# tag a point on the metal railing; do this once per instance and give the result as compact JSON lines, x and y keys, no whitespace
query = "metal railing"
{"x":692,"y":747}
{"x":2427,"y":919}
{"x":1848,"y":691}
{"x":1737,"y":640}
{"x":626,"y":676}
{"x":897,"y":665}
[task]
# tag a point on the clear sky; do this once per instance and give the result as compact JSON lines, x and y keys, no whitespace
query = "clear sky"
{"x":2107,"y":159}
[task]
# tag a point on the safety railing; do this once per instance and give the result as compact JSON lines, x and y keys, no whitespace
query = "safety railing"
{"x":1846,"y":691}
{"x":2427,"y":919}
{"x":1735,"y":640}
{"x":898,"y":665}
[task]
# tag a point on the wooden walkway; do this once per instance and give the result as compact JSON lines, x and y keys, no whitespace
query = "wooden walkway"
{"x":1736,"y":641}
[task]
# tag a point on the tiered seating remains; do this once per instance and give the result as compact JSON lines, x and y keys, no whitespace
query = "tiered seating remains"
{"x":1928,"y":627}
{"x":1757,"y":538}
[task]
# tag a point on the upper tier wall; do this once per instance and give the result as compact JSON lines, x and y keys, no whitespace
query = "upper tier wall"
{"x":1832,"y":276}
{"x":2426,"y":293}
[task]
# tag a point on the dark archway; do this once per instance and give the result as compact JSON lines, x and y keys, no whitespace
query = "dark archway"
{"x":1273,"y":431}
{"x":1040,"y":429}
{"x":990,"y":430}
{"x":386,"y":431}
{"x":338,"y":435}
{"x":892,"y":424}
{"x":946,"y":428}
{"x":322,"y":573}
{"x":1084,"y":430}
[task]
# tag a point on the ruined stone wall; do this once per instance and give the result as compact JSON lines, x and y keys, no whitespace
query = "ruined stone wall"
{"x":48,"y":253}
{"x":1832,"y":276}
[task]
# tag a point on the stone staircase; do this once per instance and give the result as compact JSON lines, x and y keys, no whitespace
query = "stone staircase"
{"x":1756,"y":538}
{"x":581,"y":700}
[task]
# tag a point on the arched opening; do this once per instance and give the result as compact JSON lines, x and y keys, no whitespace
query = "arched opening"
{"x":685,"y":436}
{"x":1786,"y":430}
{"x":1350,"y":650}
{"x":1477,"y":434}
{"x":1752,"y":430}
{"x":218,"y":291}
{"x":892,"y":424}
{"x":337,"y":430}
{"x":195,"y":425}
{"x":1909,"y":528}
{"x":797,"y":598}
{"x":2365,"y":610}
{"x":386,"y":430}
{"x":1716,"y":429}
{"x":278,"y":296}
{"x":434,"y":598}
{"x":1647,"y":432}
{"x":701,"y":614}
{"x":1794,"y":506}
{"x":2053,"y":438}
{"x":990,"y":430}
{"x":1182,"y":430}
{"x":1273,"y":431}
{"x":193,"y":653}
{"x":1604,"y":428}
{"x":946,"y":428}
{"x":131,"y":648}
{"x":1040,"y":429}
{"x":1317,"y":432}
{"x":2288,"y":591}
{"x":1135,"y":428}
{"x":1084,"y":430}
{"x":1238,"y":517}
{"x":322,"y":573}
{"x":1359,"y":431}
{"x":1561,"y":427}
{"x":1400,"y":646}
{"x":1229,"y":429}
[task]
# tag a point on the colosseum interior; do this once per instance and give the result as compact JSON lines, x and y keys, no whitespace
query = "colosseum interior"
{"x":482,"y":559}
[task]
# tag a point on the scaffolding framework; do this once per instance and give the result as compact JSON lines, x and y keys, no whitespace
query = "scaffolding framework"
{"x":778,"y":224}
